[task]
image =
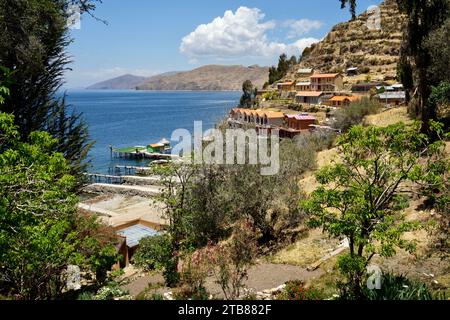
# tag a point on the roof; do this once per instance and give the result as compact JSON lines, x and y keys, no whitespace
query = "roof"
{"x":286,"y":83}
{"x":343,"y":98}
{"x":261,"y":113}
{"x":157,"y":145}
{"x":300,"y":117}
{"x":324,"y":75}
{"x":352,"y":69}
{"x":303,"y":83}
{"x":368,"y":84}
{"x":164,"y":141}
{"x":309,"y":94}
{"x":393,"y":95}
{"x":135,"y":234}
{"x":305,"y":70}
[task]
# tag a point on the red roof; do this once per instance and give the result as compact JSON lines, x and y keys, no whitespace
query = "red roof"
{"x":324,"y":75}
{"x":309,"y":93}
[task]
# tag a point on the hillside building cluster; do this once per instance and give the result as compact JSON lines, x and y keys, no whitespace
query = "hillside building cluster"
{"x":327,"y":89}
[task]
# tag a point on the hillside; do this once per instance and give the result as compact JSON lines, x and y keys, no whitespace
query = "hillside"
{"x":124,"y":82}
{"x":211,"y":77}
{"x":352,"y":44}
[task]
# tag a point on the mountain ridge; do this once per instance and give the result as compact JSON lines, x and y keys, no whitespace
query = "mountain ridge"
{"x":205,"y":78}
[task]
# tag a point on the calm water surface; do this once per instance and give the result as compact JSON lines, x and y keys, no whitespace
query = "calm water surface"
{"x":132,"y":118}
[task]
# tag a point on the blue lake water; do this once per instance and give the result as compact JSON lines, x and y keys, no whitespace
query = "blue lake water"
{"x":134,"y":118}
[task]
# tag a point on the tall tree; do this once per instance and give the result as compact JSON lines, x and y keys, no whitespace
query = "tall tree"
{"x":363,"y":196}
{"x":33,"y":41}
{"x":423,"y":17}
{"x":248,"y":98}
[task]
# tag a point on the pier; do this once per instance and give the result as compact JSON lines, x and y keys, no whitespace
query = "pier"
{"x":104,"y":178}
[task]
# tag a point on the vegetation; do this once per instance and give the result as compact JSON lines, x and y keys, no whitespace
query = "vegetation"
{"x":424,"y":21}
{"x":296,"y":290}
{"x":41,"y":232}
{"x":362,"y":197}
{"x":394,"y":287}
{"x":284,"y":64}
{"x":354,"y":114}
{"x":248,"y":99}
{"x":32,"y":43}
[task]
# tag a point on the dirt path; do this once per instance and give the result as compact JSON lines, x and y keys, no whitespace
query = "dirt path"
{"x":261,"y":277}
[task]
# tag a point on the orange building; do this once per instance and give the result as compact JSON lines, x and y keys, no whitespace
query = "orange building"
{"x":341,"y":101}
{"x":328,"y":82}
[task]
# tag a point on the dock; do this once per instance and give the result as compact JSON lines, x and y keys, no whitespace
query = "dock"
{"x":104,"y":178}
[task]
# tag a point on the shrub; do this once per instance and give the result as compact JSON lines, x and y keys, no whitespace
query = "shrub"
{"x":354,"y":114}
{"x":234,"y":258}
{"x":296,"y":290}
{"x":194,"y":270}
{"x":398,"y":287}
{"x":155,"y":253}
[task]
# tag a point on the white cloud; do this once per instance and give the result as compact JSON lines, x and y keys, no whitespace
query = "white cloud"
{"x":301,"y":27}
{"x":237,"y":35}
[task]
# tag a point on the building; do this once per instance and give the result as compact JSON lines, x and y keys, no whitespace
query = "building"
{"x":261,"y":118}
{"x":392,"y":98}
{"x":366,"y":87}
{"x":309,"y":97}
{"x":305,"y":72}
{"x":299,"y":121}
{"x":341,"y":101}
{"x":353,"y":71}
{"x":303,"y":86}
{"x":286,"y":87}
{"x":130,"y":234}
{"x":328,"y":82}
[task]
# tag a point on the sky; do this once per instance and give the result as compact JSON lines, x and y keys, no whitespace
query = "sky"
{"x":148,"y":37}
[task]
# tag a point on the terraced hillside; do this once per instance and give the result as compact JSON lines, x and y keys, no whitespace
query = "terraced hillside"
{"x":353,"y":44}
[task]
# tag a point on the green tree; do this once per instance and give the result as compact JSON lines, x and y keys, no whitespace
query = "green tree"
{"x":248,"y":99}
{"x":41,"y":232}
{"x":362,"y":196}
{"x":439,"y":47}
{"x":284,"y":64}
{"x":33,"y":43}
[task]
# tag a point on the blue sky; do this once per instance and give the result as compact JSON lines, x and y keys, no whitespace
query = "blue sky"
{"x":147,"y":37}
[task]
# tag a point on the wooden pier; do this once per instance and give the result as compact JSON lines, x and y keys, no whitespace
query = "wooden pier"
{"x":104,"y":178}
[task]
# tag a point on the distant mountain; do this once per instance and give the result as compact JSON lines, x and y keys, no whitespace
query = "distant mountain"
{"x":210,"y":77}
{"x":124,"y":82}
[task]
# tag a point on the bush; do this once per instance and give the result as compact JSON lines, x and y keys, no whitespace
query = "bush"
{"x":296,"y":290}
{"x":354,"y":114}
{"x":398,"y":287}
{"x":155,"y":253}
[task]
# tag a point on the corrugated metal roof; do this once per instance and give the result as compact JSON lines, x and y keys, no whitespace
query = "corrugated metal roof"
{"x":300,"y":117}
{"x":135,"y":234}
{"x":305,"y":70}
{"x":393,"y":95}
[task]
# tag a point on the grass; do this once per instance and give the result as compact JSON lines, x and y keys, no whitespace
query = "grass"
{"x":388,"y":117}
{"x":305,"y":251}
{"x":327,"y":281}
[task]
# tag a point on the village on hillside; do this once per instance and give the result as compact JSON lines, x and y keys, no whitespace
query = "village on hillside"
{"x":323,"y":93}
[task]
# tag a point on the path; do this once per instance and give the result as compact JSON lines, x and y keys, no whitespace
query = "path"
{"x":262,"y":276}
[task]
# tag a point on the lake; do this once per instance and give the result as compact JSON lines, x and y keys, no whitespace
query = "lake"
{"x":133,"y":118}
